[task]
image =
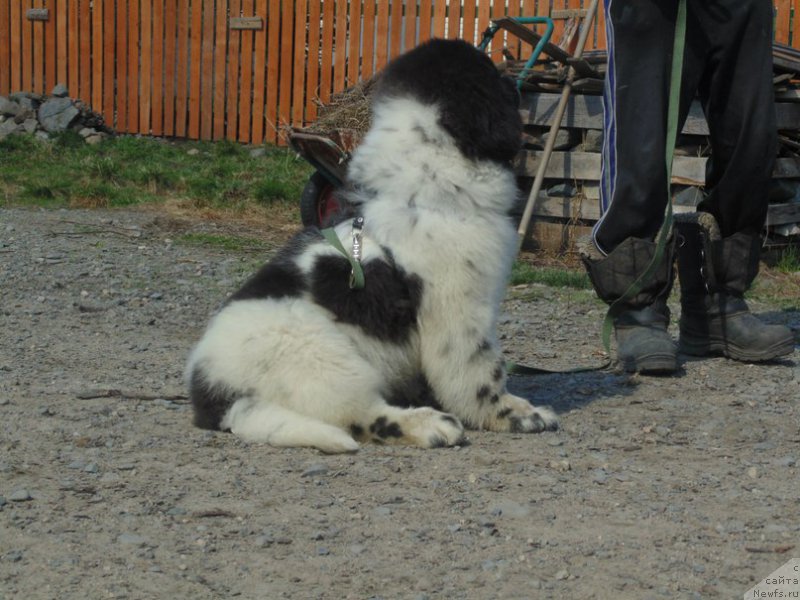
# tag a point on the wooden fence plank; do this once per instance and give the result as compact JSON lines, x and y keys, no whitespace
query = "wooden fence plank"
{"x":260,"y":73}
{"x":170,"y":47}
{"x":513,"y":43}
{"x":157,"y":103}
{"x":273,"y":69}
{"x":182,"y":69}
{"x":85,"y":34}
{"x":410,"y":26}
{"x":122,"y":65}
{"x":246,"y":77}
{"x":234,"y":45}
{"x":133,"y":66}
{"x":382,"y":43}
{"x":108,"y":62}
{"x":499,"y":40}
{"x":62,"y":15}
{"x":484,"y":13}
{"x":439,"y":19}
{"x":298,"y":74}
{"x":469,"y":22}
{"x":38,"y":53}
{"x":782,"y":20}
{"x":73,"y":52}
{"x":454,"y":20}
{"x":27,"y":49}
{"x":340,"y":48}
{"x":326,"y":55}
{"x":50,"y":55}
{"x":220,"y":68}
{"x":195,"y":68}
{"x":396,"y":29}
{"x":97,"y":57}
{"x":353,"y":43}
{"x":368,"y":48}
{"x":207,"y":72}
{"x":5,"y":48}
{"x":425,"y":21}
{"x":146,"y":65}
{"x":285,"y":85}
{"x":528,"y":10}
{"x":15,"y":39}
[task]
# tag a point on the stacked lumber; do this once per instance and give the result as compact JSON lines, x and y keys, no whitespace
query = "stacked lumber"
{"x":570,"y":195}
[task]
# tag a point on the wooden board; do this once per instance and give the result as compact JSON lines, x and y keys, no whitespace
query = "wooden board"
{"x":586,"y":111}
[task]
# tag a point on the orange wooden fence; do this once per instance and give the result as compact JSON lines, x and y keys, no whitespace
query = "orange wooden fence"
{"x":179,"y":68}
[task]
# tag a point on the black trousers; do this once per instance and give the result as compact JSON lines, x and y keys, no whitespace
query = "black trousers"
{"x":728,"y":65}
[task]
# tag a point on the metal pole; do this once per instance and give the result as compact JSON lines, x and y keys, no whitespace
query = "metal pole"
{"x":555,"y":126}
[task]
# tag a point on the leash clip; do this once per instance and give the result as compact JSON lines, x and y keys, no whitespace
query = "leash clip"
{"x":358,"y":226}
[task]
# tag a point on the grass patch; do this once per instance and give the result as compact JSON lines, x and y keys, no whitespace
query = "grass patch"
{"x":130,"y":170}
{"x":789,"y":260}
{"x":524,"y":273}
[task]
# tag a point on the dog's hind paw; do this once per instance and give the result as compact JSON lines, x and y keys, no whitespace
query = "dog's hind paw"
{"x":517,"y":415}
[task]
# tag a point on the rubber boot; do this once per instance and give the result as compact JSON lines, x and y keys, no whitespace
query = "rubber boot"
{"x":640,"y":324}
{"x":714,"y":274}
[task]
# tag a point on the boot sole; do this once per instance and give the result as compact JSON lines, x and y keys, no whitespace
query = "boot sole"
{"x":665,"y":364}
{"x":719,"y":347}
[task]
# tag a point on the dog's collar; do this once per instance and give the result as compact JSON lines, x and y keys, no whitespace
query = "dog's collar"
{"x":354,"y":257}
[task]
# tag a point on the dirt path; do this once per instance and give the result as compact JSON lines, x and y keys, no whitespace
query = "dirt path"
{"x":678,"y":487}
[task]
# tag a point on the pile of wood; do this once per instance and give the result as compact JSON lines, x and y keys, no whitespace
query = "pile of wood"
{"x":569,"y":203}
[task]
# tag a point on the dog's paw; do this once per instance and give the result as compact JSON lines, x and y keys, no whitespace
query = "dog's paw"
{"x":423,"y":427}
{"x":517,"y":415}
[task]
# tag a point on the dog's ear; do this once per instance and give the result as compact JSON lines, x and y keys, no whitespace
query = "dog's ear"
{"x":477,"y":106}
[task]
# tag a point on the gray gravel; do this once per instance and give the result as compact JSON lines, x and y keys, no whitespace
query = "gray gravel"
{"x":676,"y":487}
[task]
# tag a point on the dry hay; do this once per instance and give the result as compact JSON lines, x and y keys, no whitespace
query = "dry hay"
{"x":348,"y":110}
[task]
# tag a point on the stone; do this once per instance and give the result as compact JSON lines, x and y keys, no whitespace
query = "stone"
{"x":8,"y":107}
{"x":56,"y":114}
{"x":20,"y":495}
{"x":85,"y":132}
{"x":93,"y":140}
{"x":60,"y":91}
{"x":258,"y":152}
{"x":30,"y":125}
{"x":315,"y":470}
{"x":8,"y":127}
{"x":131,"y":539}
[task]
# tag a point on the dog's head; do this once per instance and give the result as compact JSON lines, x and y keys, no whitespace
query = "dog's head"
{"x":476,"y":105}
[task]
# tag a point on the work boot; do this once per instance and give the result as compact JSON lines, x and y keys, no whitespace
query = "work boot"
{"x":714,"y":274}
{"x":640,"y":323}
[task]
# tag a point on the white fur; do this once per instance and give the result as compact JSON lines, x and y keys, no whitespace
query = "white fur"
{"x":309,"y":378}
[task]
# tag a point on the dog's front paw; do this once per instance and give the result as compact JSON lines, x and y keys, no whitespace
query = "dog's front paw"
{"x":517,"y":415}
{"x":429,"y":428}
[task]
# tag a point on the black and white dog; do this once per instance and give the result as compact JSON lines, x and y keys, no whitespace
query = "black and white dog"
{"x":298,"y":358}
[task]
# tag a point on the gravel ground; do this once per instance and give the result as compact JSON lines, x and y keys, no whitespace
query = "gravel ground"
{"x":675,"y":487}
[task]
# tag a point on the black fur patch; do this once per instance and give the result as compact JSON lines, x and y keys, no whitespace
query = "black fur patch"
{"x":502,"y":414}
{"x":477,"y":106}
{"x":356,"y":430}
{"x":483,"y":392}
{"x":383,"y":428}
{"x":413,"y":392}
{"x":386,"y":308}
{"x":280,"y":277}
{"x":210,"y":402}
{"x":498,"y":372}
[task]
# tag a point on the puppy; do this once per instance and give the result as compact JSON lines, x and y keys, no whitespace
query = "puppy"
{"x":299,"y":358}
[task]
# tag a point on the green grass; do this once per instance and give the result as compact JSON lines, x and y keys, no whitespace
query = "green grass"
{"x":129,"y":170}
{"x":789,"y":260}
{"x":524,"y":273}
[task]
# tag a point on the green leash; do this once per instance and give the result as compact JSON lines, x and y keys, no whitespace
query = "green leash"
{"x":356,"y":271}
{"x":672,"y":134}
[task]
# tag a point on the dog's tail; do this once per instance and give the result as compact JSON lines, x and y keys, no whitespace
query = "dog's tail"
{"x":259,"y":421}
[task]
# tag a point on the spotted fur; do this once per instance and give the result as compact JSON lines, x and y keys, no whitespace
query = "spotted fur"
{"x":297,"y":358}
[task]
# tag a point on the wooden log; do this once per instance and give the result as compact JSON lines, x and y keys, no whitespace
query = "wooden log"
{"x":586,"y":111}
{"x":572,"y":166}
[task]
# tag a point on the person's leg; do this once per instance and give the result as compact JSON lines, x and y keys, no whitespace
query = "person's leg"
{"x":719,"y":249}
{"x":634,"y":188}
